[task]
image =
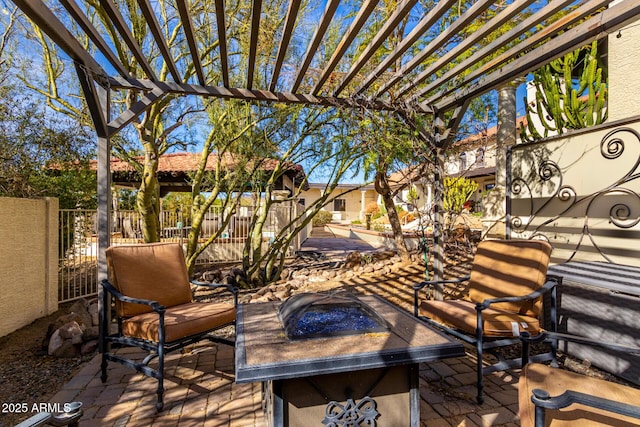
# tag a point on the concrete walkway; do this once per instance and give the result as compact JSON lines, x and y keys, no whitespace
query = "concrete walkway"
{"x":200,"y":390}
{"x":332,"y":246}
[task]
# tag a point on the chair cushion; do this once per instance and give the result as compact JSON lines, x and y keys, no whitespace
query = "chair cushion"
{"x":557,"y":381}
{"x":154,"y":271}
{"x":180,"y":321}
{"x":509,"y":268}
{"x":461,"y":314}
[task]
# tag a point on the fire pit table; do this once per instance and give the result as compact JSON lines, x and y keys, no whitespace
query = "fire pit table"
{"x":365,"y":373}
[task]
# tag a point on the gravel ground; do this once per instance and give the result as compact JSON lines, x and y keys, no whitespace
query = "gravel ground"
{"x":27,"y":374}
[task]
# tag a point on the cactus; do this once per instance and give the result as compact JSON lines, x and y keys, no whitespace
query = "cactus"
{"x":564,"y":103}
{"x":457,"y":191}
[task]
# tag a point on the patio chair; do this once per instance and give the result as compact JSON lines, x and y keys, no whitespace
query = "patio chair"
{"x":550,"y":396}
{"x":154,"y":308}
{"x":505,"y":290}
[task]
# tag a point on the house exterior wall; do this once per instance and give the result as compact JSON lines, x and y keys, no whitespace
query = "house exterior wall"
{"x":28,"y":261}
{"x":581,"y":192}
{"x":624,"y":81}
{"x":355,"y":201}
{"x":475,"y":162}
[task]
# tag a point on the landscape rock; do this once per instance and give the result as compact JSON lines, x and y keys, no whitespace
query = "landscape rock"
{"x":60,"y":347}
{"x":80,"y":309}
{"x":91,"y":333}
{"x":70,"y":330}
{"x":89,"y":347}
{"x":353,"y":259}
{"x":94,"y":313}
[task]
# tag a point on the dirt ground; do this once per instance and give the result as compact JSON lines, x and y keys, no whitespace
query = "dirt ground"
{"x":27,"y":374}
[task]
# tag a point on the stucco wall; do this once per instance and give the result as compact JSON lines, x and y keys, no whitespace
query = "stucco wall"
{"x":624,"y":80}
{"x":353,"y":202}
{"x":28,"y":261}
{"x":582,"y":193}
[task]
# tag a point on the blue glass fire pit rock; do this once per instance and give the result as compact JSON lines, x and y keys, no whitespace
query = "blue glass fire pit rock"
{"x":328,"y":315}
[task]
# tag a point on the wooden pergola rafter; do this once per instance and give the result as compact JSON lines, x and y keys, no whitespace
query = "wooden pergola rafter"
{"x":431,"y":68}
{"x":423,"y":65}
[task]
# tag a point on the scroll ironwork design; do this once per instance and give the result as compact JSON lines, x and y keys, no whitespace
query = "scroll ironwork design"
{"x":351,"y":414}
{"x":624,"y":211}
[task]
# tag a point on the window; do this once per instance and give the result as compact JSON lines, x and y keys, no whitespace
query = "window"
{"x":340,"y":205}
{"x":301,"y":201}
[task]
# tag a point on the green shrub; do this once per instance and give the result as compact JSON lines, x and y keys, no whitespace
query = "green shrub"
{"x":322,"y":218}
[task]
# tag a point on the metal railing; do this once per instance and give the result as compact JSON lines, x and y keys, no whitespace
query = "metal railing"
{"x":78,"y":247}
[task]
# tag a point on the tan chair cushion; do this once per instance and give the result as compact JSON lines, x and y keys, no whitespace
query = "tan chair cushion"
{"x":180,"y":321}
{"x":154,"y":271}
{"x":462,"y":315}
{"x":557,"y":381}
{"x":509,"y":268}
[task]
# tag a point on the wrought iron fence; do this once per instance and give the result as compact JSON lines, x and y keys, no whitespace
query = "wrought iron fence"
{"x":77,"y":271}
{"x":77,"y":261}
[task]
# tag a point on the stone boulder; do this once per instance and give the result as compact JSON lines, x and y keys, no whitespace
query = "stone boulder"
{"x":354,"y":259}
{"x":70,"y":334}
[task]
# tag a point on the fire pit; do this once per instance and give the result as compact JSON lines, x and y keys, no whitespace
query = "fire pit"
{"x":336,"y":360}
{"x":328,"y":315}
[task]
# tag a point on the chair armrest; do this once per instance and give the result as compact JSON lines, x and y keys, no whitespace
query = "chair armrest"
{"x":579,"y":340}
{"x":230,"y":288}
{"x":542,"y":400}
{"x":155,"y":306}
{"x":551,"y":283}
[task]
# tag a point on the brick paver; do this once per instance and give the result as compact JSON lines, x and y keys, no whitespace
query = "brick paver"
{"x":218,"y":401}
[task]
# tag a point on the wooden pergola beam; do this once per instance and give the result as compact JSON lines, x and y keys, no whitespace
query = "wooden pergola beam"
{"x":160,"y":40}
{"x":394,"y":20}
{"x":468,"y":43}
{"x":425,"y":23}
{"x":287,"y":32}
{"x":599,"y":26}
{"x":126,"y":117}
{"x":263,"y":95}
{"x":458,"y":25}
{"x":42,"y":16}
{"x":256,"y":10}
{"x":222,"y":41}
{"x":123,"y":29}
{"x":327,"y":16}
{"x":187,"y":26}
{"x":72,"y":7}
{"x":360,"y":19}
{"x":511,"y":35}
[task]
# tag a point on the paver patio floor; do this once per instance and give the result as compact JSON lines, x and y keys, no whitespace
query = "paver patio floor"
{"x":200,"y":391}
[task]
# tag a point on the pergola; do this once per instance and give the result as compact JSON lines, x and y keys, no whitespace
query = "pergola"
{"x":427,"y":72}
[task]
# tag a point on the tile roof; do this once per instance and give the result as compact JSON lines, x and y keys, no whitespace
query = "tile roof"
{"x":186,"y":162}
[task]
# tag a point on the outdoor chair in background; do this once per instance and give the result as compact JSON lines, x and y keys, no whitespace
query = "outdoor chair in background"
{"x":556,"y":397}
{"x":505,"y":292}
{"x":154,"y":308}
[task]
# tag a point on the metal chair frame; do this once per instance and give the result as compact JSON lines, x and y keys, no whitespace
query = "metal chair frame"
{"x":543,"y":401}
{"x":489,"y":345}
{"x":156,"y":349}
